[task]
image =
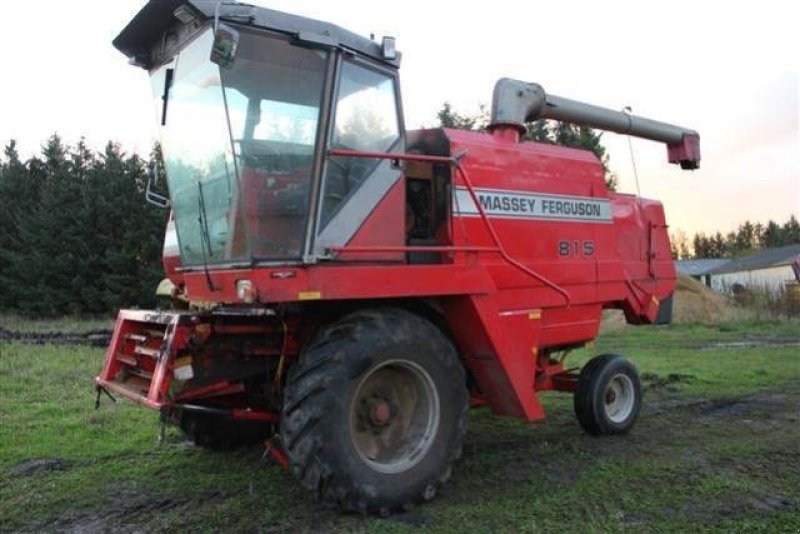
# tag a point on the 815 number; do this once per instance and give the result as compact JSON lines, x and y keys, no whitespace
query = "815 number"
{"x":576,"y":248}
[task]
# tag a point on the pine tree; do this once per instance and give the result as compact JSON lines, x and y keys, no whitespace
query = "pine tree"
{"x":718,"y":247}
{"x":791,"y":231}
{"x":55,"y":234}
{"x":539,"y":131}
{"x":745,"y":238}
{"x":135,"y":230}
{"x":449,"y":118}
{"x":758,"y":236}
{"x":773,"y":235}
{"x":18,"y":195}
{"x":700,"y":244}
{"x":679,"y":244}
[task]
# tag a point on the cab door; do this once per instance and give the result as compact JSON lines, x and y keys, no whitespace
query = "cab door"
{"x":366,"y":117}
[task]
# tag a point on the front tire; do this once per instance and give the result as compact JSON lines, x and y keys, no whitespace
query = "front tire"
{"x":374,"y":412}
{"x":609,"y":395}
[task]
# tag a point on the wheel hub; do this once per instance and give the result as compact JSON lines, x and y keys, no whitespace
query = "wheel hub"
{"x":394,"y":416}
{"x":619,"y":398}
{"x":380,"y":412}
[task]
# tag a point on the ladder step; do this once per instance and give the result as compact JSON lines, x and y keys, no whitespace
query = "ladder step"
{"x":144,"y":351}
{"x":127,"y":360}
{"x":158,"y":334}
{"x":141,"y":373}
{"x":134,"y":383}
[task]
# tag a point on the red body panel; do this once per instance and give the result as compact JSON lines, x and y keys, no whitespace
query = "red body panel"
{"x":385,"y":227}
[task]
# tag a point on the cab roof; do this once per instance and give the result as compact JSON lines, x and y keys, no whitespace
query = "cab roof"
{"x":158,"y":16}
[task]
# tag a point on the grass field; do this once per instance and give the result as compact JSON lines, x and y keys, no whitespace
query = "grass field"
{"x":717,"y":448}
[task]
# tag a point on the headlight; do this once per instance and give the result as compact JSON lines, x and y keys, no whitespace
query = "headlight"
{"x":245,"y":291}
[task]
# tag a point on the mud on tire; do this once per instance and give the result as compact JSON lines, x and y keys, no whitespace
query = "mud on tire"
{"x":374,"y":411}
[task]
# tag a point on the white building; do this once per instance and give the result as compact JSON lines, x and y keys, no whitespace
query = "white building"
{"x":700,"y":270}
{"x":773,"y":270}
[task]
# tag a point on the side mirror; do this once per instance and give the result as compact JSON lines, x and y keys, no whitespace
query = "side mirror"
{"x":226,"y":44}
{"x":157,"y":200}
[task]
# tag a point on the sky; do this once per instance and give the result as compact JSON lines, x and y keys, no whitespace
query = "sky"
{"x":728,"y":70}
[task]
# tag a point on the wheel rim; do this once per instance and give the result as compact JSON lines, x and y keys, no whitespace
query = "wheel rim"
{"x":619,"y":398}
{"x":394,"y":416}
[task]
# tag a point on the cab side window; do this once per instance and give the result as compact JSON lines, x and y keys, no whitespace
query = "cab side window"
{"x":365,"y":120}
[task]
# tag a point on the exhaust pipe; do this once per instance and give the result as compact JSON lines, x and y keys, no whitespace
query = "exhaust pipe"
{"x":515,"y":103}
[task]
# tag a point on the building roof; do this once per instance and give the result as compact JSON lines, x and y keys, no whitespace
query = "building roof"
{"x":699,"y":267}
{"x":774,"y":257}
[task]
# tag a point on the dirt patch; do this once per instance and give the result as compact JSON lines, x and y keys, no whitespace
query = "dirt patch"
{"x":411,"y":519}
{"x":652,"y":381}
{"x":709,"y":511}
{"x":743,"y":405}
{"x":753,"y":343}
{"x":775,"y":405}
{"x":94,"y":338}
{"x":128,"y":510}
{"x":39,"y":465}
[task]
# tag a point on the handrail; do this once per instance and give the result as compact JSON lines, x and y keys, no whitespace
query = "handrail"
{"x":347,"y":153}
{"x":455,"y":162}
{"x":410,"y":248}
{"x":498,"y":243}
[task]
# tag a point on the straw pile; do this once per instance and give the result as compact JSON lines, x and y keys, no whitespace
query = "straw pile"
{"x":693,"y":302}
{"x":696,"y":303}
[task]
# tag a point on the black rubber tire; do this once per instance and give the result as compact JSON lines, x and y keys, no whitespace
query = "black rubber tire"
{"x":315,"y":423}
{"x":589,"y":398}
{"x":219,"y":433}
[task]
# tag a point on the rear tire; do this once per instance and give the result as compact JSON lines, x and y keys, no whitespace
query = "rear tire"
{"x":374,"y":412}
{"x":609,"y":395}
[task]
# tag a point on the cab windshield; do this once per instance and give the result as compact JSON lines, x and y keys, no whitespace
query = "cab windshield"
{"x":239,"y":146}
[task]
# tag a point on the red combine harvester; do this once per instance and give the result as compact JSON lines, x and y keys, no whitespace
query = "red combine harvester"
{"x":363,"y":284}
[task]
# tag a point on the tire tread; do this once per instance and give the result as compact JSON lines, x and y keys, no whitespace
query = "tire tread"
{"x":309,"y":392}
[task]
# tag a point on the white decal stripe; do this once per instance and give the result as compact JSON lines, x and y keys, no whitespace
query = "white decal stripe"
{"x":526,"y":205}
{"x":171,"y":247}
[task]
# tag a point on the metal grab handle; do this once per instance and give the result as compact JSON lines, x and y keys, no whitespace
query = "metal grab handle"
{"x":156,"y":199}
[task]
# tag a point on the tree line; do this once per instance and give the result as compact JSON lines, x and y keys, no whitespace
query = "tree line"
{"x":747,"y":238}
{"x":76,"y":236}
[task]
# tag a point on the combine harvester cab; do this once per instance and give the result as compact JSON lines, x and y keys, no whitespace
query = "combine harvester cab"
{"x":349,"y":288}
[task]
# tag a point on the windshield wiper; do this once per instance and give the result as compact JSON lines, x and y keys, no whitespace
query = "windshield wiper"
{"x":168,"y":76}
{"x":202,"y":220}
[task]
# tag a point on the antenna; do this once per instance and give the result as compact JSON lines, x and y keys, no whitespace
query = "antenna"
{"x":627,"y":111}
